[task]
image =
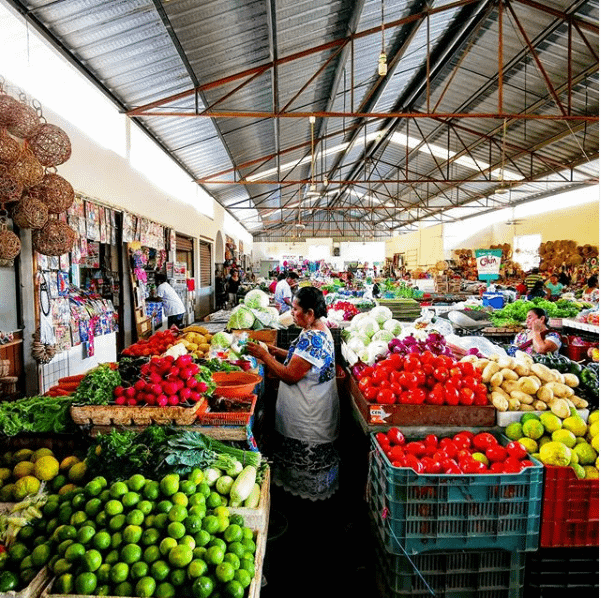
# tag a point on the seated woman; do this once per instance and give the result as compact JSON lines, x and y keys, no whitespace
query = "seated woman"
{"x":553,"y":288}
{"x":537,"y":338}
{"x":590,"y":293}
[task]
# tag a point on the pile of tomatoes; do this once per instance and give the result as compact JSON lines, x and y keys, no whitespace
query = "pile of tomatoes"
{"x":464,"y":453}
{"x":423,"y":378}
{"x":157,"y":344}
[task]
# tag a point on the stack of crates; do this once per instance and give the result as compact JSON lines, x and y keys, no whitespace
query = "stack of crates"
{"x":452,"y":536}
{"x":568,"y":559}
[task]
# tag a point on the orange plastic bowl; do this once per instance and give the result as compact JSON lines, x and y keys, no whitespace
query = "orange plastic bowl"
{"x":235,"y":384}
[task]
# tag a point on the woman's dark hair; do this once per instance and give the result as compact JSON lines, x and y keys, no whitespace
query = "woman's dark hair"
{"x":233,"y":271}
{"x":592,"y":282}
{"x":540,"y":313}
{"x":160,"y":278}
{"x":282,"y":275}
{"x":312,"y":298}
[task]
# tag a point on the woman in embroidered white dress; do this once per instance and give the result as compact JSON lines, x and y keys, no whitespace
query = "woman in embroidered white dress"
{"x":305,"y":460}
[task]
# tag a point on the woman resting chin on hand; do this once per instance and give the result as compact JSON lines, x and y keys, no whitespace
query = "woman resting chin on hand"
{"x":305,"y":460}
{"x":537,"y":338}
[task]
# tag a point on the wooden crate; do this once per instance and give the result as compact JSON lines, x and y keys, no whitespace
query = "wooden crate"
{"x":35,"y":587}
{"x":103,"y":415}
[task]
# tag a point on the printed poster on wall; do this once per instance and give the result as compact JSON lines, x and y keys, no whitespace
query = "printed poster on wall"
{"x":488,"y":262}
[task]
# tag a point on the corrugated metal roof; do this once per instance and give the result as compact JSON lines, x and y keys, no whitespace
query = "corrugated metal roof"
{"x":255,"y":65}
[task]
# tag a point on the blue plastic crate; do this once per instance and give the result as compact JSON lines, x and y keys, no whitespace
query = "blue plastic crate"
{"x":494,"y":300}
{"x":424,"y":512}
{"x":456,"y":574}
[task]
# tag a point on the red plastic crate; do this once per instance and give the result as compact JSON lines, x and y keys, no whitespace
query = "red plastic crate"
{"x":570,"y":509}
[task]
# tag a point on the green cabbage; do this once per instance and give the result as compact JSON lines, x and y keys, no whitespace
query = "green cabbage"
{"x":256,"y":299}
{"x":241,"y":318}
{"x":222,"y":340}
{"x":381,"y":313}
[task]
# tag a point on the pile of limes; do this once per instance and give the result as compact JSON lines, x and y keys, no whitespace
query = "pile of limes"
{"x":22,"y":472}
{"x":139,"y":537}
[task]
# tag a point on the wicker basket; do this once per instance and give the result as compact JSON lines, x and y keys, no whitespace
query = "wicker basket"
{"x":55,"y":238}
{"x":30,"y":213}
{"x":4,"y":367}
{"x":10,"y":149}
{"x":8,"y":109}
{"x":9,"y":384}
{"x":28,"y":169}
{"x":25,"y":123}
{"x":50,"y":145}
{"x":54,"y":191}
{"x":10,"y":188}
{"x":10,"y":244}
{"x":103,"y":415}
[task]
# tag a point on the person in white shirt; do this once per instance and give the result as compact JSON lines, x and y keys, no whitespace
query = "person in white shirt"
{"x":283,"y":292}
{"x":172,"y":305}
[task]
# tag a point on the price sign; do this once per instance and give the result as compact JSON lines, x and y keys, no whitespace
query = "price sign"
{"x":488,"y":262}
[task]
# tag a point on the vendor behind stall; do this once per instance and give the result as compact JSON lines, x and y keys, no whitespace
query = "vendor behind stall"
{"x":537,"y":338}
{"x":553,"y":287}
{"x":590,"y":292}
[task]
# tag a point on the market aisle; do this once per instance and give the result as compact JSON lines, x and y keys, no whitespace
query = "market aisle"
{"x":317,"y":550}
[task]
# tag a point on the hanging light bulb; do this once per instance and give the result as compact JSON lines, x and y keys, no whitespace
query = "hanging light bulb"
{"x":382,"y":66}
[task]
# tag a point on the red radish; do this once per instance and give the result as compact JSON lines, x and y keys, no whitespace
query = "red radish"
{"x":169,"y":388}
{"x":130,"y":392}
{"x":132,"y":401}
{"x":202,"y":386}
{"x":162,"y":401}
{"x":151,"y":399}
{"x":156,"y":389}
{"x":192,"y":383}
{"x":184,"y":393}
{"x":155,"y":378}
{"x":184,"y":360}
{"x":119,"y":390}
{"x":195,"y":396}
{"x":140,"y":384}
{"x":173,"y":371}
{"x":179,"y":383}
{"x":173,"y":400}
{"x":120,"y":400}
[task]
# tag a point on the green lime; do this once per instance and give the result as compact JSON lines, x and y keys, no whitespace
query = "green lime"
{"x":248,"y":533}
{"x":234,"y":589}
{"x":85,"y":583}
{"x":75,"y":552}
{"x":131,"y":553}
{"x":213,"y":500}
{"x":166,"y":545}
{"x":145,"y":587}
{"x":214,"y":555}
{"x":196,"y":476}
{"x":210,"y":523}
{"x":161,"y":520}
{"x":223,"y":523}
{"x":113,"y":507}
{"x":197,"y":499}
{"x":118,"y":489}
{"x":164,"y":506}
{"x":64,"y":584}
{"x":132,"y":534}
{"x":93,"y":507}
{"x":78,"y":501}
{"x":103,"y":590}
{"x":41,"y":555}
{"x":105,"y":495}
{"x":196,"y":568}
{"x":249,"y":545}
{"x":230,"y":557}
{"x":92,"y":560}
{"x":63,"y":546}
{"x":204,"y":489}
{"x":176,"y":530}
{"x":77,"y":519}
{"x":224,"y":572}
{"x":101,"y":540}
{"x":237,"y":548}
{"x":26,"y":563}
{"x":61,"y":566}
{"x":178,"y":577}
{"x":177,"y":513}
{"x":116,"y":522}
{"x":136,"y":482}
{"x":112,"y":557}
{"x":197,"y":511}
{"x":116,"y":539}
{"x":193,"y":524}
{"x":130,"y":499}
{"x":180,"y":556}
{"x":119,"y":572}
{"x":27,"y":575}
{"x":101,"y":519}
{"x":188,"y":487}
{"x":151,"y":554}
{"x":85,"y":534}
{"x":64,"y":513}
{"x":179,"y":498}
{"x":233,"y":533}
{"x":103,"y":573}
{"x":203,"y":587}
{"x":216,"y":541}
{"x":164,"y":590}
{"x":134,"y":517}
{"x":101,"y":480}
{"x":202,"y":538}
{"x":139,"y":570}
{"x":187,"y":540}
{"x":151,"y":490}
{"x":145,"y":507}
{"x":150,"y":536}
{"x":159,"y":570}
{"x":125,"y":588}
{"x":93,"y":488}
{"x":169,"y":485}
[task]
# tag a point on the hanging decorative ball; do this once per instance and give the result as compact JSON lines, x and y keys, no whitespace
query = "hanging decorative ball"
{"x":50,"y":145}
{"x":8,"y":109}
{"x":27,"y":169}
{"x":10,"y":245}
{"x":30,"y":213}
{"x":25,"y":123}
{"x":55,"y":191}
{"x":54,"y":238}
{"x":10,"y":188}
{"x":10,"y":149}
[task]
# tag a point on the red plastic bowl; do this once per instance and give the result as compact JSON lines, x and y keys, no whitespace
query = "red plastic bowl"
{"x":235,"y":384}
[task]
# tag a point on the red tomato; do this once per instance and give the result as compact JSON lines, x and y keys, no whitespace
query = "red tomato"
{"x":370,"y":394}
{"x":481,"y":389}
{"x":440,"y":374}
{"x":385,"y":396}
{"x":396,"y":360}
{"x":364,"y":383}
{"x":454,"y":372}
{"x":380,"y":375}
{"x":511,"y":465}
{"x":428,"y":369}
{"x":416,"y":396}
{"x":461,"y":442}
{"x":421,"y":377}
{"x":431,"y":465}
{"x":467,"y":368}
{"x":466,"y":396}
{"x":396,"y":388}
{"x":473,"y":466}
{"x":427,"y":357}
{"x":469,"y":382}
{"x":383,"y":440}
{"x":483,"y":440}
{"x":410,"y":380}
{"x":516,"y":450}
{"x":443,"y":361}
{"x":401,"y":378}
{"x":463,"y":454}
{"x":451,"y":394}
{"x":396,"y":453}
{"x":496,"y":453}
{"x":367,"y":371}
{"x":395,"y":436}
{"x":497,"y":467}
{"x":453,"y":469}
{"x":431,"y":439}
{"x":416,"y":448}
{"x":412,"y":363}
{"x":480,"y":400}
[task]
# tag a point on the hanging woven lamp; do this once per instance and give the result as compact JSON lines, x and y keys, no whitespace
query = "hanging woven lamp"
{"x":50,"y":145}
{"x":55,"y":191}
{"x":28,"y":169}
{"x":30,"y":213}
{"x":10,"y":188}
{"x":54,"y":238}
{"x":10,"y":244}
{"x":8,"y":109}
{"x":10,"y":148}
{"x":25,"y":123}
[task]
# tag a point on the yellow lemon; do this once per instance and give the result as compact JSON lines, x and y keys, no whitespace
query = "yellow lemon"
{"x":24,"y":486}
{"x":68,"y":462}
{"x":46,"y":468}
{"x":41,"y":452}
{"x":77,"y":472}
{"x":23,"y":468}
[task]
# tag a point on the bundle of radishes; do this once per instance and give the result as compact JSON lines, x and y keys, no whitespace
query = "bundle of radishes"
{"x":165,"y":381}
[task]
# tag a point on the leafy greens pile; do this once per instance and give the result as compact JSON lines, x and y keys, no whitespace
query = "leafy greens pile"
{"x":516,"y":312}
{"x":98,"y":386}
{"x":40,"y":415}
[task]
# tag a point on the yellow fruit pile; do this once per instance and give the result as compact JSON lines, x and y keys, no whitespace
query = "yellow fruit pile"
{"x":22,"y":472}
{"x":568,"y":442}
{"x":196,"y":340}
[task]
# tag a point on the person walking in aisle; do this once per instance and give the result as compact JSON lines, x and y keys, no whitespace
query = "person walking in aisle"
{"x":172,"y":304}
{"x":233,"y":284}
{"x":283,"y":292}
